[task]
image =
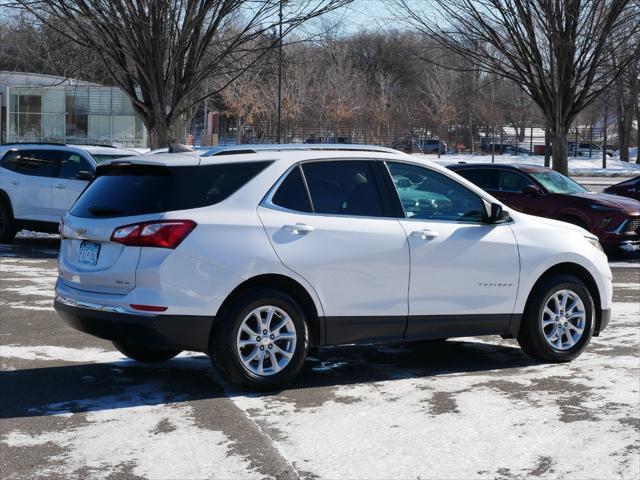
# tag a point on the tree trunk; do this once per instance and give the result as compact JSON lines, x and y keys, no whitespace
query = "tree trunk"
{"x":160,"y":133}
{"x":638,"y":132}
{"x":238,"y":130}
{"x":624,"y":122}
{"x":559,"y":150}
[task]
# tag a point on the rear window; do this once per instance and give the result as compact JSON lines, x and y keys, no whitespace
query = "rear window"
{"x":126,"y":190}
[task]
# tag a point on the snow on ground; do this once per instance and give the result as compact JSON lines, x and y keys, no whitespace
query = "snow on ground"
{"x":555,"y":421}
{"x":156,"y":438}
{"x":28,"y":278}
{"x":577,"y":165}
{"x":507,"y":418}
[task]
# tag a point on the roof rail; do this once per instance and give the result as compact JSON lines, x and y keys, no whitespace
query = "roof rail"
{"x":240,"y":149}
{"x":33,"y":143}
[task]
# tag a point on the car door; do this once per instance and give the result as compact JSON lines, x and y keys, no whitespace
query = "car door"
{"x":67,"y":187}
{"x":29,"y":176}
{"x":511,"y":192}
{"x":328,"y":222}
{"x":464,"y":272}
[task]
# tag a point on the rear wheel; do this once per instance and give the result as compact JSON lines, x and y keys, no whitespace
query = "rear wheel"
{"x":7,"y":224}
{"x":261,"y":340}
{"x":558,"y":322}
{"x":145,"y":354}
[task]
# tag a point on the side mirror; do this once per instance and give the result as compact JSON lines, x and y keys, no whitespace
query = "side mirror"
{"x":403,"y":183}
{"x":84,"y":175}
{"x":497,"y":215}
{"x":531,"y":190}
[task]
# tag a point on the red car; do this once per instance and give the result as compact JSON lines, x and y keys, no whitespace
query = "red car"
{"x":628,"y":188}
{"x":546,"y":193}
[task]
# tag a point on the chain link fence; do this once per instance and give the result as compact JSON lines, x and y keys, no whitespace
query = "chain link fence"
{"x":500,"y":140}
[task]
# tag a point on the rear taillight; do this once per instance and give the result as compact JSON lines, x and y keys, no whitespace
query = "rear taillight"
{"x":160,"y":233}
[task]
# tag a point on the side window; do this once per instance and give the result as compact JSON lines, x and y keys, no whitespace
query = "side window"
{"x":513,"y":181}
{"x":485,"y":179}
{"x":292,"y":193}
{"x":429,"y":195}
{"x":39,"y":163}
{"x":343,"y":188}
{"x":71,"y":164}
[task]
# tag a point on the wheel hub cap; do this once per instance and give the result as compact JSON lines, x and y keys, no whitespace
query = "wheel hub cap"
{"x":563,"y":319}
{"x":266,"y":340}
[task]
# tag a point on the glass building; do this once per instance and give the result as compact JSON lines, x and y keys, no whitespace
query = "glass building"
{"x":41,"y":108}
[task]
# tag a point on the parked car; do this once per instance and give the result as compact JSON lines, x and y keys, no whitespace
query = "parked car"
{"x":329,"y":140}
{"x":38,"y":183}
{"x":421,"y":146}
{"x":584,"y":150}
{"x":544,"y":192}
{"x":504,"y":149}
{"x":103,"y":153}
{"x":256,"y":257}
{"x":629,"y":188}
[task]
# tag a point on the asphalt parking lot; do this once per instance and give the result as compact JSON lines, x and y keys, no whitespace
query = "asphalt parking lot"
{"x":73,"y":407}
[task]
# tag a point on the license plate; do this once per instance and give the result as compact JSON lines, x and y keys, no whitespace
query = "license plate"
{"x":89,"y":252}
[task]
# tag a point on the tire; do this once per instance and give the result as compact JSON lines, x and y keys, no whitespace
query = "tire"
{"x":7,"y":224}
{"x":536,"y":340}
{"x":271,"y":369}
{"x":145,"y":354}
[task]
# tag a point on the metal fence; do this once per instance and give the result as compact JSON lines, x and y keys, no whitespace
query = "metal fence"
{"x":517,"y":140}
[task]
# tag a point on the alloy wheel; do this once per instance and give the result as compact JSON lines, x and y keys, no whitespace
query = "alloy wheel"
{"x":563,"y":319}
{"x":266,"y":340}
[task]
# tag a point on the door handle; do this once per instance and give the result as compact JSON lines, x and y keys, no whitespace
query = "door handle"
{"x":298,"y":229}
{"x":15,"y":182}
{"x":425,"y":234}
{"x":60,"y":186}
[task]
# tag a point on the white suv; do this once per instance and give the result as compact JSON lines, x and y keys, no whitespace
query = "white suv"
{"x":256,"y":257}
{"x":40,"y":181}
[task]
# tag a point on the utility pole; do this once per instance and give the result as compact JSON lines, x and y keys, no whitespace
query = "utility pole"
{"x":279,"y":127}
{"x":205,"y":132}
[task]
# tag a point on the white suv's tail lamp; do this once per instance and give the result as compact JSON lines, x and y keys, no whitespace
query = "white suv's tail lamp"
{"x":159,"y":233}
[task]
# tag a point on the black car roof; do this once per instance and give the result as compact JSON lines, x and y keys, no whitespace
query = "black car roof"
{"x":524,"y":167}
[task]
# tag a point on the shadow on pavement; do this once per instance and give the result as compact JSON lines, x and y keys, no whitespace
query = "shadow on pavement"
{"x":46,"y":246}
{"x":122,"y":384}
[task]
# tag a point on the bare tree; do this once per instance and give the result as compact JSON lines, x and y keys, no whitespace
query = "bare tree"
{"x":159,"y":52}
{"x":627,"y":89}
{"x":437,"y":90}
{"x":554,"y":50}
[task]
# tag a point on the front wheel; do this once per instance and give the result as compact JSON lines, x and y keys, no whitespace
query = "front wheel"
{"x":145,"y":354}
{"x":261,"y":340}
{"x":559,"y":320}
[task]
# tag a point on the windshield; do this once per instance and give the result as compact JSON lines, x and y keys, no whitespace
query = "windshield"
{"x":555,"y":182}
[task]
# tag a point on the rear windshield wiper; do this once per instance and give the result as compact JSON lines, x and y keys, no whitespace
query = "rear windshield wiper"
{"x":103,"y":211}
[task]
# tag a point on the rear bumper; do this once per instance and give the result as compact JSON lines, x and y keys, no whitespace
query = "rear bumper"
{"x":181,"y":332}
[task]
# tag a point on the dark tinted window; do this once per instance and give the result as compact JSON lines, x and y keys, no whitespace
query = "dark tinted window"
{"x":486,"y":179}
{"x":511,"y":181}
{"x":429,"y":195}
{"x":101,"y":157}
{"x":343,"y":188}
{"x":292,"y":193}
{"x":125,"y":190}
{"x":40,"y":163}
{"x":71,"y":164}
